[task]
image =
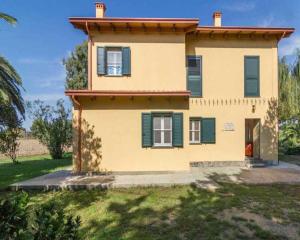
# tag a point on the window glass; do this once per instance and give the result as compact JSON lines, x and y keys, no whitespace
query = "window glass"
{"x":195,"y":131}
{"x":162,"y":130}
{"x":114,"y":62}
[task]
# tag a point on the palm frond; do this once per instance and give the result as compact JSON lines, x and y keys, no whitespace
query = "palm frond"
{"x":10,"y":84}
{"x":7,"y":18}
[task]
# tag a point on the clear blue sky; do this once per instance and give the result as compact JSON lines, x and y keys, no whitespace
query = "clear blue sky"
{"x":44,"y":36}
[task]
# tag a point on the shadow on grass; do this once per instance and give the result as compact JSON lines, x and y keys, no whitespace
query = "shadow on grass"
{"x":194,"y":216}
{"x":29,"y":168}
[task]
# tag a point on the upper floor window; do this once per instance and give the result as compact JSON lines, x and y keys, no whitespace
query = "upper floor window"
{"x":251,"y":81}
{"x":113,"y":61}
{"x":194,"y":75}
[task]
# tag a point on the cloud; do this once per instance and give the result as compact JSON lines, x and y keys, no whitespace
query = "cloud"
{"x":267,"y":22}
{"x":288,"y":46}
{"x":240,"y":6}
{"x":57,"y":80}
{"x":50,"y":97}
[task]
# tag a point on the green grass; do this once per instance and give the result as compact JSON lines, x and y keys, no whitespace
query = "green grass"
{"x":181,"y":212}
{"x":29,"y":167}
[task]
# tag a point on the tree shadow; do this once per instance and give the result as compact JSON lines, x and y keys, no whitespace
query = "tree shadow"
{"x":269,"y":132}
{"x":194,"y":216}
{"x":91,"y":154}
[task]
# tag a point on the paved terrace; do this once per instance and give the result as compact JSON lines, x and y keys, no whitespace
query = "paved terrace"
{"x":65,"y":179}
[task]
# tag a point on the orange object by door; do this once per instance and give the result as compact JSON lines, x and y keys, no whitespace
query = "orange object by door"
{"x":249,"y":150}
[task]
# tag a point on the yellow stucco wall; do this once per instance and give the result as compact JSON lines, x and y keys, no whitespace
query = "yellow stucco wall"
{"x":157,"y":62}
{"x":112,"y":127}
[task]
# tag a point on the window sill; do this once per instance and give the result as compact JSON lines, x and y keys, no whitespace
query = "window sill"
{"x":160,"y":147}
{"x":194,"y":143}
{"x":251,"y":96}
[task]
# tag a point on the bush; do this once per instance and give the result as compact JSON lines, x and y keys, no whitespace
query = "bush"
{"x":52,"y":126}
{"x":14,"y":217}
{"x":49,"y":222}
{"x":52,"y":224}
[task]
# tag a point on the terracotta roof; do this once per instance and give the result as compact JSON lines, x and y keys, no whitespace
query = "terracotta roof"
{"x":283,"y":32}
{"x":150,"y":24}
{"x":125,"y":93}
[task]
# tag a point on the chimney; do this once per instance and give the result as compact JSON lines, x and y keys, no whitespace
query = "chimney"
{"x":100,"y":10}
{"x":217,"y":16}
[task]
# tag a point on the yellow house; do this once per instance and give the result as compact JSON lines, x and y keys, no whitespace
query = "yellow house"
{"x":169,"y":94}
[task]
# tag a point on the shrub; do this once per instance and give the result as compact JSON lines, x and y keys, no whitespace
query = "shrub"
{"x":52,"y":126}
{"x":14,"y":217}
{"x":49,"y":221}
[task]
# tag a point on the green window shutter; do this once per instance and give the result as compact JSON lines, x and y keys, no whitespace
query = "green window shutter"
{"x":208,"y":130}
{"x":194,"y":75}
{"x":126,"y":61}
{"x":177,"y":123}
{"x":146,"y":130}
{"x":101,"y":60}
{"x":251,"y":76}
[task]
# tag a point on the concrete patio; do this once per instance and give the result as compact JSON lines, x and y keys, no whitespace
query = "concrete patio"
{"x":65,"y":179}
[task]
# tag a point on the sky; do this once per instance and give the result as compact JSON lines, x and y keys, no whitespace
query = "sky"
{"x":43,"y":35}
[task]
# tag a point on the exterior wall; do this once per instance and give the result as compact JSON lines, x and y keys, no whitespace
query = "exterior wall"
{"x":117,"y":132}
{"x":112,"y":131}
{"x":157,"y":62}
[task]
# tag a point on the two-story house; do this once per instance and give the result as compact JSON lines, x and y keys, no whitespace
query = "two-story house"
{"x":167,"y":94}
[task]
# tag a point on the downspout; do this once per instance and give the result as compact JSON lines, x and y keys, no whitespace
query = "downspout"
{"x":79,"y":131}
{"x":90,"y":42}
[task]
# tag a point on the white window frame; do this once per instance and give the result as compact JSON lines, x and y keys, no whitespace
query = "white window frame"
{"x":114,"y":50}
{"x":162,"y":130}
{"x":193,"y":130}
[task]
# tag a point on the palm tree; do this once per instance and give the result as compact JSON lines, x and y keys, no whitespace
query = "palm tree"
{"x":10,"y":80}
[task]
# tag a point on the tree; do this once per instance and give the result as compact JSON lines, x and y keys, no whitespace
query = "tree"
{"x":76,"y":67}
{"x":10,"y":80}
{"x":9,"y":144}
{"x":52,"y":126}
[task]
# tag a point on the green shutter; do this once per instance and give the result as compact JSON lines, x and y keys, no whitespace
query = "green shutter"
{"x":146,"y":130}
{"x":177,"y":130}
{"x":208,"y":130}
{"x":126,"y":62}
{"x":101,"y":61}
{"x":251,"y":76}
{"x":194,"y":75}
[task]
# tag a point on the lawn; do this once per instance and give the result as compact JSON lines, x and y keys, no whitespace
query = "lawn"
{"x":235,"y":211}
{"x":30,"y":167}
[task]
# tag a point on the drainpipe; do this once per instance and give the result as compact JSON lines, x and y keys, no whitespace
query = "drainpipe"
{"x":75,"y":101}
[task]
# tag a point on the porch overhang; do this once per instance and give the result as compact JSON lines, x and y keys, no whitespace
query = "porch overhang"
{"x":135,"y":24}
{"x":121,"y":93}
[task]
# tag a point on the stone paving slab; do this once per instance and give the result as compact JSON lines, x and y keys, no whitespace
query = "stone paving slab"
{"x":65,"y":179}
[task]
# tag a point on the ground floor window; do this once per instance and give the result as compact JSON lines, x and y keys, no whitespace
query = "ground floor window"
{"x":194,"y":130}
{"x":162,"y":131}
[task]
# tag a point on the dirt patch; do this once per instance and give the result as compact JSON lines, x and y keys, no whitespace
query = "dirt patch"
{"x":245,"y":219}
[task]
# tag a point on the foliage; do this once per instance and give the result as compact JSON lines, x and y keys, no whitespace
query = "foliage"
{"x":48,"y":223}
{"x":10,"y":80}
{"x":289,"y":105}
{"x":13,"y":217}
{"x":9,"y":144}
{"x":9,"y":19}
{"x":52,"y":224}
{"x":52,"y":126}
{"x":76,"y":67}
{"x":289,"y":137}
